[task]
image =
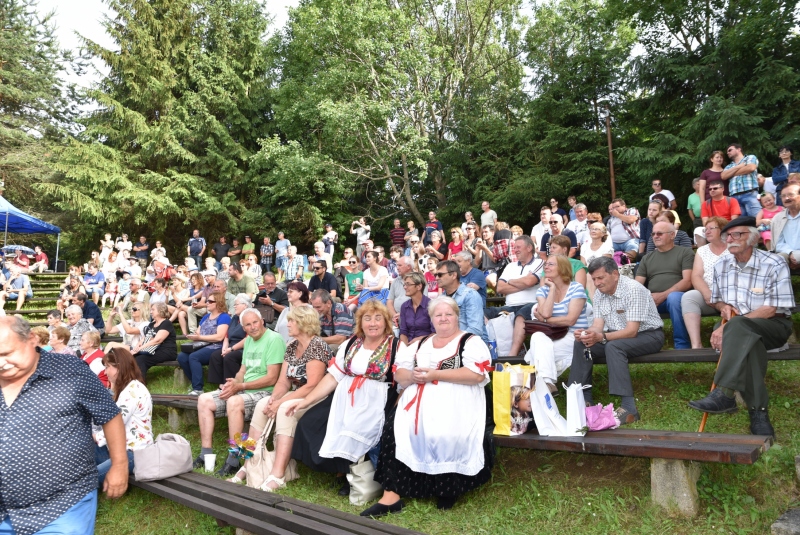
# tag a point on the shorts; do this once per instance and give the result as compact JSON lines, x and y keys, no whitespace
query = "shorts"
{"x":625,"y":246}
{"x":15,"y":295}
{"x":250,"y":400}
{"x":95,"y":291}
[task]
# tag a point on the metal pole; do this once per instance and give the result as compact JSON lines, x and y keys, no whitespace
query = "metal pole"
{"x":610,"y":155}
{"x":5,"y":236}
{"x":58,"y":243}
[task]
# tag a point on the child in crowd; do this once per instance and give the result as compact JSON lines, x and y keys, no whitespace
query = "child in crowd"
{"x":111,"y":293}
{"x":765,"y":216}
{"x":430,"y":280}
{"x":521,"y":410}
{"x":123,"y":289}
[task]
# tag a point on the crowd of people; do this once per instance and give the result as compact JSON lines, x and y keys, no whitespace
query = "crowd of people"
{"x":340,"y":360}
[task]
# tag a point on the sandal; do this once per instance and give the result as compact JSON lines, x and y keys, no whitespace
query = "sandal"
{"x":236,"y":478}
{"x":281,"y":482}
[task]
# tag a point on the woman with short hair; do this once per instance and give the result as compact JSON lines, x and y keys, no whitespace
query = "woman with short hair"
{"x":92,"y":355}
{"x":158,"y":343}
{"x":298,"y":295}
{"x":226,"y":361}
{"x":415,"y":323}
{"x":59,"y":337}
{"x":211,"y":332}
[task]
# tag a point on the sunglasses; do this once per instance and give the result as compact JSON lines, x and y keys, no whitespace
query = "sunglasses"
{"x":714,"y":188}
{"x":439,"y":275}
{"x":659,"y":234}
{"x":353,"y":263}
{"x":317,"y":268}
{"x":136,"y":309}
{"x":554,"y":222}
{"x":210,"y":301}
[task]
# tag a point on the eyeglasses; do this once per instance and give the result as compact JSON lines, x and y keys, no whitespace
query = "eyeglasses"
{"x":439,"y":274}
{"x":659,"y":234}
{"x":135,"y":309}
{"x":711,"y":228}
{"x":550,"y":264}
{"x":210,"y":301}
{"x":554,"y":222}
{"x":712,"y":188}
{"x":737,"y":235}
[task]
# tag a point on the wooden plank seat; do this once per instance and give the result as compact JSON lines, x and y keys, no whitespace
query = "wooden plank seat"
{"x":182,"y":408}
{"x":678,"y":356}
{"x":673,"y":476}
{"x":260,"y":512}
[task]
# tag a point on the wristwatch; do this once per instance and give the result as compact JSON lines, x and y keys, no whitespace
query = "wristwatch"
{"x":604,"y":340}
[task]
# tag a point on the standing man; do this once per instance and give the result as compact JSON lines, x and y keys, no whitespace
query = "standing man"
{"x":470,"y":305}
{"x":667,"y":274}
{"x":219,"y":251}
{"x":470,"y":276}
{"x":51,"y":402}
{"x":519,"y":281}
{"x":431,"y":225}
{"x":484,"y":259}
{"x":623,"y":227}
{"x":362,"y":234}
{"x":752,"y":289}
{"x":323,"y":279}
{"x":488,"y":216}
{"x":657,"y":189}
{"x":140,"y":251}
{"x":249,"y":247}
{"x":786,"y":227}
{"x":718,"y":204}
{"x":543,"y":226}
{"x":196,"y":248}
{"x":468,"y":218}
{"x":281,"y":251}
{"x":557,"y":229}
{"x":579,"y":224}
{"x":238,"y":283}
{"x":742,"y":177}
{"x":234,"y":253}
{"x":330,"y":239}
{"x":267,"y":250}
{"x":626,"y":325}
{"x":336,"y":322}
{"x":398,"y":235}
{"x":262,"y":359}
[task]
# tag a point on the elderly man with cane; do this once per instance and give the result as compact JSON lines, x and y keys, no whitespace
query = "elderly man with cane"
{"x":752,"y":290}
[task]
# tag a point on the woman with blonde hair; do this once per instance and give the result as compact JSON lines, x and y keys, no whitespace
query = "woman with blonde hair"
{"x":456,"y":244}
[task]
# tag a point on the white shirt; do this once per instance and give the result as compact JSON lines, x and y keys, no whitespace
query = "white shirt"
{"x":537,"y":232}
{"x":666,"y":193}
{"x":581,"y":230}
{"x":516,"y":271}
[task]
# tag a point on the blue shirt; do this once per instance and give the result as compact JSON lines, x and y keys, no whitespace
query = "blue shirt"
{"x":142,"y":254}
{"x":575,"y":291}
{"x":475,"y":276}
{"x":789,"y":239}
{"x":196,"y":245}
{"x":781,"y":174}
{"x":47,"y":460}
{"x":94,"y":280}
{"x":470,"y":318}
{"x":741,"y":183}
{"x":92,"y":312}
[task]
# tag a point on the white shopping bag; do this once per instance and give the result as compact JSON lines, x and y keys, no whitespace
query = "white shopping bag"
{"x":576,"y":409}
{"x":501,"y":330}
{"x":548,"y":420}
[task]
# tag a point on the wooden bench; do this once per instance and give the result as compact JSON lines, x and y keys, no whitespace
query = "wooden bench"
{"x":182,"y":408}
{"x":673,"y":456}
{"x":677,"y":356}
{"x":262,"y":513}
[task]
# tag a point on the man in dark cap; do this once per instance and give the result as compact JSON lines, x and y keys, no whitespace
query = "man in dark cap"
{"x":752,"y":289}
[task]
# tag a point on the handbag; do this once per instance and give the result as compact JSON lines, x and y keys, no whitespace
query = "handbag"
{"x":168,"y":456}
{"x":259,"y":466}
{"x":576,"y":409}
{"x":149,"y":334}
{"x":191,"y":347}
{"x":363,"y":487}
{"x":553,"y":332}
{"x":511,"y":392}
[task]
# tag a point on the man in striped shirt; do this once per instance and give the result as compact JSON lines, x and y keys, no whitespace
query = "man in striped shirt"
{"x":752,"y":289}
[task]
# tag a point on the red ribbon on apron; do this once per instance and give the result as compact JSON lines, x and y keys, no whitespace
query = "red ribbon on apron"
{"x":358,"y":382}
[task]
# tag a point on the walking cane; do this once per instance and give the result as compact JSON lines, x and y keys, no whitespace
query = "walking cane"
{"x":713,"y":385}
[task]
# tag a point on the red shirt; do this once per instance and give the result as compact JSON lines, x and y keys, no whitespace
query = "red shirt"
{"x":95,"y":362}
{"x":41,"y":257}
{"x":22,"y":260}
{"x":398,"y":236}
{"x":727,"y":207}
{"x":454,"y":248}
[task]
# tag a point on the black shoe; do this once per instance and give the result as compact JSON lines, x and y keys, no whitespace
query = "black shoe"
{"x":199,"y":462}
{"x":446,"y":502}
{"x":227,"y":470}
{"x":715,"y":403}
{"x":344,"y":490}
{"x":379,"y":509}
{"x":759,"y":423}
{"x":626,"y":417}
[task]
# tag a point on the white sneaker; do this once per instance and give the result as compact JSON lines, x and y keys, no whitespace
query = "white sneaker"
{"x":195,"y":392}
{"x":784,"y":347}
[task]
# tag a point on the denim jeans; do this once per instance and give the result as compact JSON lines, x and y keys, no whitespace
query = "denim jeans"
{"x":625,"y":246}
{"x":672,"y":305}
{"x":103,"y":461}
{"x":192,"y":364}
{"x":77,"y":520}
{"x":748,"y":202}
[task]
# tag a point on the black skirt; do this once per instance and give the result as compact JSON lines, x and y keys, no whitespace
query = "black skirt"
{"x":310,"y":434}
{"x":396,"y":477}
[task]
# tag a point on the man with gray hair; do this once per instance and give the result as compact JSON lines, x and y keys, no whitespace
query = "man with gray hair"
{"x":51,"y":402}
{"x":262,"y":359}
{"x":752,"y":289}
{"x":335,"y":321}
{"x":580,"y":224}
{"x":470,"y":276}
{"x":77,"y":325}
{"x":626,"y":325}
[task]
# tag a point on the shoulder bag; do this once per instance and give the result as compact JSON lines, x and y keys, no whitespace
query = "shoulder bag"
{"x":553,"y":332}
{"x":168,"y":456}
{"x":259,"y":466}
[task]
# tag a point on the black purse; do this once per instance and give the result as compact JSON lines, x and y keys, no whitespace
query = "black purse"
{"x":553,"y":332}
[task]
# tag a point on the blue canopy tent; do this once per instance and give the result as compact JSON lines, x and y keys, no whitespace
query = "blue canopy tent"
{"x":19,"y":222}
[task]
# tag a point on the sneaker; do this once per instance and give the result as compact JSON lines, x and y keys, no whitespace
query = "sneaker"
{"x":625,"y":416}
{"x":194,"y":392}
{"x":199,"y":462}
{"x":227,"y":470}
{"x":759,"y":423}
{"x":715,"y":403}
{"x":784,"y":347}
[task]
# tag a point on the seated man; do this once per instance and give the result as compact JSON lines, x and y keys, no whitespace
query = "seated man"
{"x":261,"y":367}
{"x":667,"y":273}
{"x":91,"y":312}
{"x":470,"y":276}
{"x":470,"y":305}
{"x":239,"y":284}
{"x":752,"y":289}
{"x":137,"y":294}
{"x":16,"y":287}
{"x":41,"y":262}
{"x":484,"y":256}
{"x":719,"y":204}
{"x":335,"y":320}
{"x":324,"y":279}
{"x":519,"y":281}
{"x":272,"y":297}
{"x":626,"y":325}
{"x":95,"y":283}
{"x":786,"y":227}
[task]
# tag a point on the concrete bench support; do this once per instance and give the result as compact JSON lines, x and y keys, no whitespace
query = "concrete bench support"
{"x":673,"y":485}
{"x":179,"y":381}
{"x":180,"y":417}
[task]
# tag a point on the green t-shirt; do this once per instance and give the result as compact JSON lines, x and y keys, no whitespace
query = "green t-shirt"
{"x":248,"y":248}
{"x":259,"y":354}
{"x":245,"y":286}
{"x":351,"y":279}
{"x":663,"y":270}
{"x":694,"y":204}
